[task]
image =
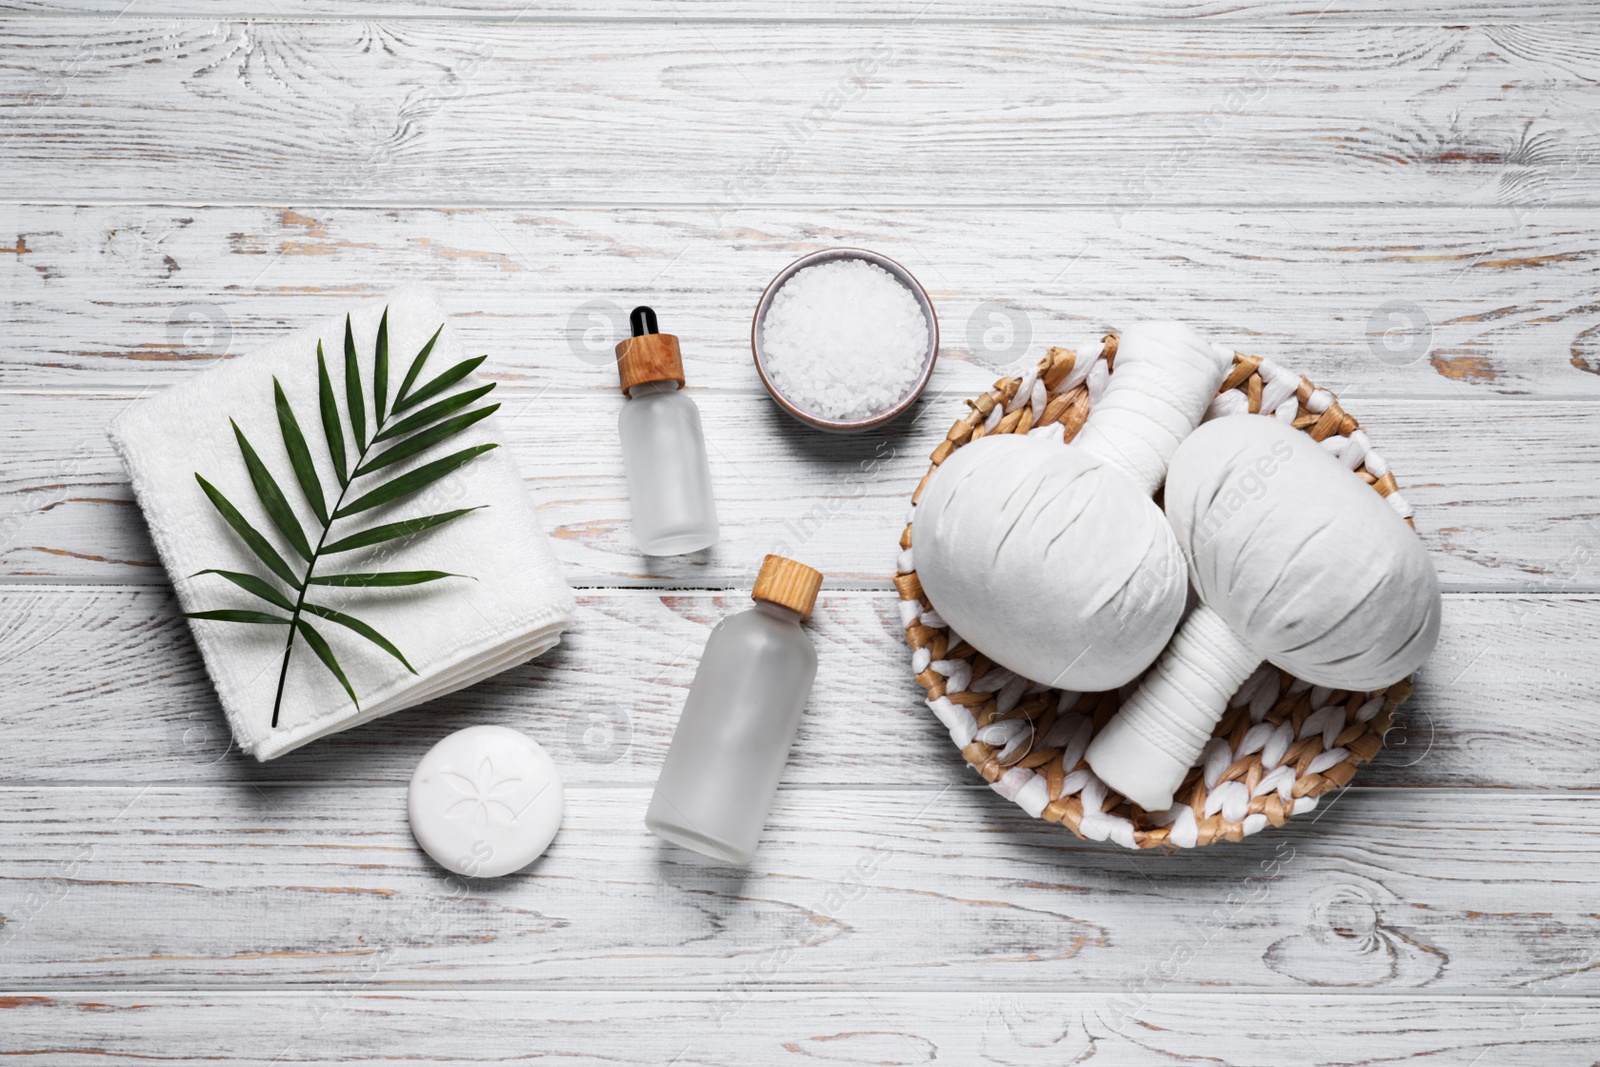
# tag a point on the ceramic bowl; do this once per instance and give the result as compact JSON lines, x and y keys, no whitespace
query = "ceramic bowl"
{"x":877,"y":418}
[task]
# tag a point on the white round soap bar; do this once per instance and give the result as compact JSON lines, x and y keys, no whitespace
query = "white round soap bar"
{"x":485,"y":801}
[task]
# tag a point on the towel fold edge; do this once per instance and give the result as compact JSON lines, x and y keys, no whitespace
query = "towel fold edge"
{"x":533,"y":643}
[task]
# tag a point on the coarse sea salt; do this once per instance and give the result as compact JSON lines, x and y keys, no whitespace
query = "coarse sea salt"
{"x":844,"y":339}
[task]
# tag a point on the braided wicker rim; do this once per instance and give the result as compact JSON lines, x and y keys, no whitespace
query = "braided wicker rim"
{"x":1281,"y":744}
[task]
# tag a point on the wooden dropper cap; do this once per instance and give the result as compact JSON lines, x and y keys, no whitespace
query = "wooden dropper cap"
{"x":648,"y":356}
{"x":787,"y":584}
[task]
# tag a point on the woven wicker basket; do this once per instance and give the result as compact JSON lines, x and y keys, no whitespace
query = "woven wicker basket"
{"x":1282,"y":743}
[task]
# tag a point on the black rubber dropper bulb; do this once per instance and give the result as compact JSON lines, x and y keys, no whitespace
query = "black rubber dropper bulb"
{"x":643,"y":321}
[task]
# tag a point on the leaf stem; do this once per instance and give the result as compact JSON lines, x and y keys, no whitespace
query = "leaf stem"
{"x":311,"y":566}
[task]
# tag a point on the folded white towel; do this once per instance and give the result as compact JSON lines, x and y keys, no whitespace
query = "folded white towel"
{"x":453,"y":631}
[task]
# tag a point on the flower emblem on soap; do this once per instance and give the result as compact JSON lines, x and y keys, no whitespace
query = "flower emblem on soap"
{"x":482,"y":795}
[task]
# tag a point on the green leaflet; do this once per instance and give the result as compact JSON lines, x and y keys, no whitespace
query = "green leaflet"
{"x":250,"y":583}
{"x":294,"y":442}
{"x":411,"y":481}
{"x":239,"y":615}
{"x":425,"y":440}
{"x":382,"y":579}
{"x":441,"y":383}
{"x":271,"y":497}
{"x":389,"y":531}
{"x":427,"y":427}
{"x":354,"y":403}
{"x":325,"y":654}
{"x":331,"y":429}
{"x":380,"y":371}
{"x":352,"y":623}
{"x":416,"y":369}
{"x":434,"y":412}
{"x":247,"y":533}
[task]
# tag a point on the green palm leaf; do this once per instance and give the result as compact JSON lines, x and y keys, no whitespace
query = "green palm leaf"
{"x":382,"y":579}
{"x":272,"y":498}
{"x":380,"y":371}
{"x":350,"y":622}
{"x":247,"y":533}
{"x":352,"y":390}
{"x":331,"y":427}
{"x":294,"y":442}
{"x":389,"y":531}
{"x":425,"y":440}
{"x":416,"y":369}
{"x":440,"y":384}
{"x":423,"y":430}
{"x":250,"y":583}
{"x":411,"y":481}
{"x":434,"y":412}
{"x":239,"y":615}
{"x":325,"y":654}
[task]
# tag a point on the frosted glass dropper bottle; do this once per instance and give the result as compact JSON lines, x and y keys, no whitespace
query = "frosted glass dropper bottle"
{"x":739,"y":720}
{"x":663,"y":447}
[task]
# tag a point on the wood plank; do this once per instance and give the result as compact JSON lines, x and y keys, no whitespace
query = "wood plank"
{"x":302,"y":874}
{"x":1504,"y":491}
{"x":990,"y":1026}
{"x":821,"y":114}
{"x":1365,"y":12}
{"x":105,"y":686}
{"x":918,"y":887}
{"x":1502,"y":296}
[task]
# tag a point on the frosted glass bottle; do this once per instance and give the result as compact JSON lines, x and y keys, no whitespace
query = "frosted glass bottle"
{"x":739,"y":720}
{"x":663,"y":446}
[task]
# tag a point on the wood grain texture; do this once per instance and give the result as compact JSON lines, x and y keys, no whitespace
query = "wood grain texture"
{"x":1509,"y":504}
{"x":1299,"y":179}
{"x":1364,"y":12}
{"x":107,"y":687}
{"x":919,"y":887}
{"x":563,"y":113}
{"x":991,"y":1027}
{"x":1501,"y":297}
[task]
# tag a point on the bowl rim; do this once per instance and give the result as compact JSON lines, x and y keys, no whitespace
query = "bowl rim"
{"x":906,"y":278}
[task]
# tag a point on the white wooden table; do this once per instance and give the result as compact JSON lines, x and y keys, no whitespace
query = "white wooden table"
{"x":1399,"y":198}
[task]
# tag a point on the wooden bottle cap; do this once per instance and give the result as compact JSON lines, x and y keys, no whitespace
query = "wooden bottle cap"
{"x":787,"y":584}
{"x":651,"y":357}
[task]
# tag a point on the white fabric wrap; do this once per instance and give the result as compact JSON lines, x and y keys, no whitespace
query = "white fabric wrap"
{"x":1150,"y":744}
{"x":1049,"y":562}
{"x":1297,"y":561}
{"x":1301,"y":557}
{"x":1165,"y":378}
{"x":455,"y":632}
{"x":1053,"y":561}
